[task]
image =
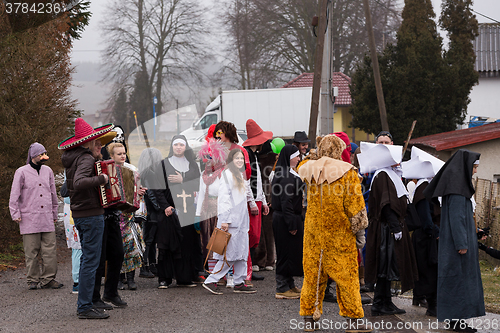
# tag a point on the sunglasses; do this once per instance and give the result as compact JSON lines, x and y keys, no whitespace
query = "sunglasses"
{"x":219,"y":133}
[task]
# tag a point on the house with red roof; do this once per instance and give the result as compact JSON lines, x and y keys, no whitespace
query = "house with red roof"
{"x":481,"y":139}
{"x":339,"y":107}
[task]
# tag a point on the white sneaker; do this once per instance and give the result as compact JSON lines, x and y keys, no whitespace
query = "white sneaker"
{"x":269,"y":268}
{"x":255,"y":268}
{"x":230,"y":282}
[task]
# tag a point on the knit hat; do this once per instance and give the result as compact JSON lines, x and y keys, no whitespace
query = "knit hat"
{"x":35,"y":150}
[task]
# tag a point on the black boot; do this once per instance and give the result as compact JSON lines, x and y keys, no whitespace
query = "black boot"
{"x":130,"y":280}
{"x":393,"y":307}
{"x":388,"y":300}
{"x":431,"y":305}
{"x":419,"y":301}
{"x":153,"y":269}
{"x":121,"y":282}
{"x":379,"y":307}
{"x":145,"y":273}
{"x":367,"y":288}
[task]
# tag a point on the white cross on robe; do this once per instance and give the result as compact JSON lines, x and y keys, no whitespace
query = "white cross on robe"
{"x":184,"y":196}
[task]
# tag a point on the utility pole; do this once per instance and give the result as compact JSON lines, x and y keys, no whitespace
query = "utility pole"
{"x":376,"y":70}
{"x":318,"y":65}
{"x":325,"y":102}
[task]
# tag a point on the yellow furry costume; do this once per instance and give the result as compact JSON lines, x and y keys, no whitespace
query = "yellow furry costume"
{"x":335,"y":213}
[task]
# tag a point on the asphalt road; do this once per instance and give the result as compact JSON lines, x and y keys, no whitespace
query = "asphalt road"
{"x":178,"y":309}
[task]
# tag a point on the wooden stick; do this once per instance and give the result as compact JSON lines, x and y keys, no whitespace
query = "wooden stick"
{"x":409,"y":137}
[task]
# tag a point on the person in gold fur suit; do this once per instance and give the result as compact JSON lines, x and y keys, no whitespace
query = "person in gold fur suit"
{"x":336,"y":217}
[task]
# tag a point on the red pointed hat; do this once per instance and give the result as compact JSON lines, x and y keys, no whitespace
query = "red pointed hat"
{"x":84,"y":133}
{"x":256,"y":136}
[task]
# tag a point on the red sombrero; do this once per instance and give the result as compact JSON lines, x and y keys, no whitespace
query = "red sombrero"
{"x":84,"y":133}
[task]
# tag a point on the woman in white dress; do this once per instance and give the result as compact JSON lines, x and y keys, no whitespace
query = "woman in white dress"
{"x":233,"y":217}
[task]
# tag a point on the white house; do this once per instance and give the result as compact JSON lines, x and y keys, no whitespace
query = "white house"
{"x":485,"y":97}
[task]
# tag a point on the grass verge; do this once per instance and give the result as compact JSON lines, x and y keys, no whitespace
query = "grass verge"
{"x":491,"y":286}
{"x":12,"y":257}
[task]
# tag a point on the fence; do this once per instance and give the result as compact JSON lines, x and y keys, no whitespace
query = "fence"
{"x":488,"y":209}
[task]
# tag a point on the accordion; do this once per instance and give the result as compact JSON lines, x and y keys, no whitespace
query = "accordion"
{"x":121,"y":191}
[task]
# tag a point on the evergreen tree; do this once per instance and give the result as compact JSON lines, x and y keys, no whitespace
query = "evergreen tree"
{"x":416,"y":79}
{"x":35,"y":98}
{"x":141,"y":99}
{"x":462,"y":27}
{"x":121,"y":113}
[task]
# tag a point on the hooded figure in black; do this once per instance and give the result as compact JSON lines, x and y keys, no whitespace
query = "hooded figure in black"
{"x":459,"y":290}
{"x":182,"y":257}
{"x":425,"y":244}
{"x":183,"y":176}
{"x":389,"y":253}
{"x":288,"y":223}
{"x":265,"y":251}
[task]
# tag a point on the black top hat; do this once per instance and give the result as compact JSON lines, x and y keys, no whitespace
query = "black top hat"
{"x":300,"y":136}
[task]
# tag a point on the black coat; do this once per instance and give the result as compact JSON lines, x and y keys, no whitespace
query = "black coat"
{"x":183,"y":193}
{"x":425,"y":244}
{"x":386,"y":217}
{"x":177,"y":231}
{"x":168,"y":234}
{"x":287,"y":196}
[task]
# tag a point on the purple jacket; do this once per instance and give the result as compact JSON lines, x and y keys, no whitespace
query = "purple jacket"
{"x":33,"y":198}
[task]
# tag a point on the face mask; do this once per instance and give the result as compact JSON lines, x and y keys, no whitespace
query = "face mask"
{"x":120,"y":137}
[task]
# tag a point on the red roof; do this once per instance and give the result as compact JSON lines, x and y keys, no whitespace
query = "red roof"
{"x":342,"y":81}
{"x":339,"y":80}
{"x":459,"y":138}
{"x":303,"y":80}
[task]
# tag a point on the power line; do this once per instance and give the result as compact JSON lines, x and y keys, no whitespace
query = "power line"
{"x":472,"y":10}
{"x":489,"y":18}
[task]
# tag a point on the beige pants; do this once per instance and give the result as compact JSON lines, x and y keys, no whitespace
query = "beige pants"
{"x":43,"y":243}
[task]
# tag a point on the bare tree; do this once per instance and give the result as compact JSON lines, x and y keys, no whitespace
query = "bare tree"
{"x":349,"y":39}
{"x":247,"y":48}
{"x":163,"y":39}
{"x":272,"y":40}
